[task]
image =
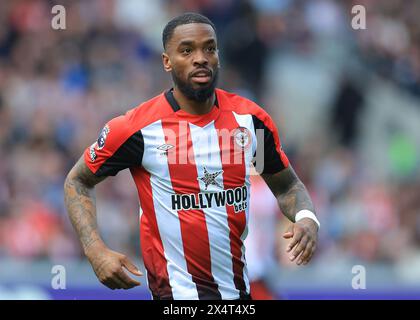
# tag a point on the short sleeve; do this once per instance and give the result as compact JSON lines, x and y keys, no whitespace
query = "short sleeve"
{"x":269,"y":156}
{"x":118,"y":147}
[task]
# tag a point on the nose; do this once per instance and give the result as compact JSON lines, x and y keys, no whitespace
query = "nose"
{"x":200,"y":58}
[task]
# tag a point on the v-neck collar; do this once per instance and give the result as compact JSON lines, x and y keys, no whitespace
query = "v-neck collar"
{"x":197,"y":119}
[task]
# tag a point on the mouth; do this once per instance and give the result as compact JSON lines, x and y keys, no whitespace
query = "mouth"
{"x":201,"y":76}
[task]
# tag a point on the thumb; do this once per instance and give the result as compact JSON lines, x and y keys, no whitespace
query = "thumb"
{"x":131,"y":267}
{"x":289,"y":233}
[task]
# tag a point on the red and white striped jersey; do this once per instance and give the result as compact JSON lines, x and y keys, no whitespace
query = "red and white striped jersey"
{"x":192,"y":176}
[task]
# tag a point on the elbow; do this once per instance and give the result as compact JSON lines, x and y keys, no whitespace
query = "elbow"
{"x":69,"y":180}
{"x":69,"y":185}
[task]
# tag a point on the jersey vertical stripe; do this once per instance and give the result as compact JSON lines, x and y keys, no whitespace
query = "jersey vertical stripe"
{"x":245,"y":121}
{"x":207,"y":152}
{"x":151,"y":241}
{"x":194,"y":231}
{"x":180,"y":281}
{"x":234,"y":175}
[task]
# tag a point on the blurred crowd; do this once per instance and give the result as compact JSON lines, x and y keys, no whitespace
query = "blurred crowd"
{"x":391,"y":45}
{"x":59,"y":87}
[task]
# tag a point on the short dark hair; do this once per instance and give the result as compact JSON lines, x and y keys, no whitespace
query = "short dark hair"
{"x":186,"y":18}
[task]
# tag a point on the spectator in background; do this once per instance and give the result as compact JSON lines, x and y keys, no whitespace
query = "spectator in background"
{"x":262,"y":239}
{"x":346,"y":112}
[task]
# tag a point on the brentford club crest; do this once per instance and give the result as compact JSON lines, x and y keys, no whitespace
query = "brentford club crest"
{"x":242,"y":137}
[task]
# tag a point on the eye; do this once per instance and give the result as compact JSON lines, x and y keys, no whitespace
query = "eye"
{"x":186,"y":51}
{"x":211,"y":49}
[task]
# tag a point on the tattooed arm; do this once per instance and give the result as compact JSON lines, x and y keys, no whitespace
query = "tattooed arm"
{"x":80,"y":200}
{"x":293,"y":197}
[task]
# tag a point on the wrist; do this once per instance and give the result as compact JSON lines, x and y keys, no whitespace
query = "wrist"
{"x":93,"y":247}
{"x":302,"y":214}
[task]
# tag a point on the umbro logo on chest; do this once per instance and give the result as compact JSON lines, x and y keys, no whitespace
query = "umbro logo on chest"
{"x":164,"y":148}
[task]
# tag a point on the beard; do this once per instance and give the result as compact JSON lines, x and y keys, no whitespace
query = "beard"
{"x":200,"y":94}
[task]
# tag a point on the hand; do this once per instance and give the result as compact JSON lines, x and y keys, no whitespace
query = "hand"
{"x":304,"y":235}
{"x":108,"y":266}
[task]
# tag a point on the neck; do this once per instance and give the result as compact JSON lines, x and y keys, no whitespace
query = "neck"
{"x":192,"y":106}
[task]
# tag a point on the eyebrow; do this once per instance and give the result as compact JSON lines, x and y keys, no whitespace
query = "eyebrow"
{"x":190,"y":42}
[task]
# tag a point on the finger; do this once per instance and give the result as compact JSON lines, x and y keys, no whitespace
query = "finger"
{"x":106,"y":282}
{"x":297,"y":258}
{"x":288,"y":235}
{"x":131,"y":267}
{"x":310,"y":255}
{"x":111,"y":283}
{"x":289,"y":232}
{"x":120,"y":283}
{"x":305,"y":253}
{"x":291,"y":246}
{"x":297,"y":237}
{"x":128,"y":282}
{"x":299,"y":248}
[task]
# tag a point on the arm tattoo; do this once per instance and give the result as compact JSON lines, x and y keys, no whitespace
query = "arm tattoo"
{"x":290,"y":192}
{"x":80,"y":201}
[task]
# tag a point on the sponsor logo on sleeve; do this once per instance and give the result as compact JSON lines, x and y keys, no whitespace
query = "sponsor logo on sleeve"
{"x":102,"y":138}
{"x":92,"y":152}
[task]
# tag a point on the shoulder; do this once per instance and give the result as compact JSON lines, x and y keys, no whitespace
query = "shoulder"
{"x":119,"y":129}
{"x":148,"y":112}
{"x":242,"y":105}
{"x":141,"y":116}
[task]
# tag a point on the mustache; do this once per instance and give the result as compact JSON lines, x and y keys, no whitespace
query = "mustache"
{"x":200,"y":94}
{"x":201,"y":70}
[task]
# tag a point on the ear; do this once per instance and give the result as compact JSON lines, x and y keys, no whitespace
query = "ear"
{"x":166,"y":62}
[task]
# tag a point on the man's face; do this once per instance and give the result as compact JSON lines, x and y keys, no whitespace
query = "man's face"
{"x":192,"y":58}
